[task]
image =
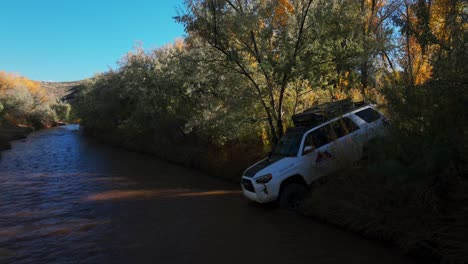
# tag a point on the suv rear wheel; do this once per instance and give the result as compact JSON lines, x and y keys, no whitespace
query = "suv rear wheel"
{"x":292,"y":197}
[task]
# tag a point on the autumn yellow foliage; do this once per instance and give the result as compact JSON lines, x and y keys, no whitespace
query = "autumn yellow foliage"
{"x":24,"y":101}
{"x":9,"y":81}
{"x":282,"y":11}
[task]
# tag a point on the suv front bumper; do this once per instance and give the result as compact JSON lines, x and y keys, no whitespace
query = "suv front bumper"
{"x":256,"y":192}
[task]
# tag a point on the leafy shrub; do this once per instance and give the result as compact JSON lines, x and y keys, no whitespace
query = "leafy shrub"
{"x":62,"y":111}
{"x":24,"y":102}
{"x":410,"y":188}
{"x":41,"y":118}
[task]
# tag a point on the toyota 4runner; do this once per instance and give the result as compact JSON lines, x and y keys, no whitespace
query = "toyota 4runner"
{"x":324,"y":139}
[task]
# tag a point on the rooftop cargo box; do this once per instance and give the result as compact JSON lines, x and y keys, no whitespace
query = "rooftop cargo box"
{"x":323,"y":112}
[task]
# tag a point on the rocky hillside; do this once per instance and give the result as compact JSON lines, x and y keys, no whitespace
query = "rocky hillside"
{"x":62,"y":91}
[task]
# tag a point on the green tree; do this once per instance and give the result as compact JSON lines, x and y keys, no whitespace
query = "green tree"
{"x":261,"y":40}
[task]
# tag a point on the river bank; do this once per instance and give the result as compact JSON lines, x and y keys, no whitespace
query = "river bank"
{"x":378,"y":203}
{"x":226,"y":162}
{"x":8,"y":134}
{"x":12,"y":132}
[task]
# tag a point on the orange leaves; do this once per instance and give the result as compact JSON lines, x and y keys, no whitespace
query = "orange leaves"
{"x":422,"y":68}
{"x":179,"y":43}
{"x":6,"y":81}
{"x":370,"y":10}
{"x":431,"y":28}
{"x":9,"y":81}
{"x":282,"y":11}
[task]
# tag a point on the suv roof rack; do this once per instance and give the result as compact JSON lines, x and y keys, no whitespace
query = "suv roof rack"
{"x":323,"y":112}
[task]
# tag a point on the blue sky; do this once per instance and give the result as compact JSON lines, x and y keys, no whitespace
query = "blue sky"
{"x":66,"y":40}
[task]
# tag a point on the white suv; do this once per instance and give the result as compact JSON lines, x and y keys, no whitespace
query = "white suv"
{"x":324,"y":139}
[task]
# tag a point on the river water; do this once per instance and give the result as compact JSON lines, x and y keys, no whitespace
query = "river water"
{"x":67,"y":199}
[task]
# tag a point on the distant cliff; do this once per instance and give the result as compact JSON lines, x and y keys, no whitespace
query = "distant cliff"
{"x":62,"y":91}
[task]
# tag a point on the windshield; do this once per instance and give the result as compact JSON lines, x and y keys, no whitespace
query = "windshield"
{"x":288,"y":145}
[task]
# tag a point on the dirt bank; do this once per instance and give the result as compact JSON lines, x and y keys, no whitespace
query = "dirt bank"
{"x":8,"y":134}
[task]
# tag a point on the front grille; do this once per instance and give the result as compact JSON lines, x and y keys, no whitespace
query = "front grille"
{"x":248,"y":185}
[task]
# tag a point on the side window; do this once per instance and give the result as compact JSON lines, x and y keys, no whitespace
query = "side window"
{"x":330,"y":132}
{"x":347,"y":126}
{"x":319,"y":137}
{"x":342,"y":128}
{"x":369,"y":115}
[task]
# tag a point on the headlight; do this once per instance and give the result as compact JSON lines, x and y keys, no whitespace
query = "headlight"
{"x":264,"y":179}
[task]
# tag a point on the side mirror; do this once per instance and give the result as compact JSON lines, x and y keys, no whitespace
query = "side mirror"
{"x":308,"y":149}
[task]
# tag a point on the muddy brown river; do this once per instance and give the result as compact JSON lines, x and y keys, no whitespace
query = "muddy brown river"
{"x":67,"y":199}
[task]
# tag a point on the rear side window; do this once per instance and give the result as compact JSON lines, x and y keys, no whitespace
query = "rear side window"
{"x":369,"y":115}
{"x":343,"y":127}
{"x":330,"y":132}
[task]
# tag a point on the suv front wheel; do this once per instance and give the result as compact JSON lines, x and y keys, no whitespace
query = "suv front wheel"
{"x":292,"y":197}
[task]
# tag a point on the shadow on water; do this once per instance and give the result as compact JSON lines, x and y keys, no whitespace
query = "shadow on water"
{"x":67,"y":199}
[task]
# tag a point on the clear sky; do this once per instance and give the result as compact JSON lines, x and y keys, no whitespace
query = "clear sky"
{"x":65,"y":40}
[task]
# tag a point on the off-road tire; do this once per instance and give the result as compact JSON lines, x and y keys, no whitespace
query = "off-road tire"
{"x":292,"y":197}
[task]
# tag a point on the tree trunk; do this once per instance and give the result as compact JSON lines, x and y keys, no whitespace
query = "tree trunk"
{"x":408,"y":44}
{"x":274,"y":136}
{"x":364,"y":67}
{"x":364,"y":74}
